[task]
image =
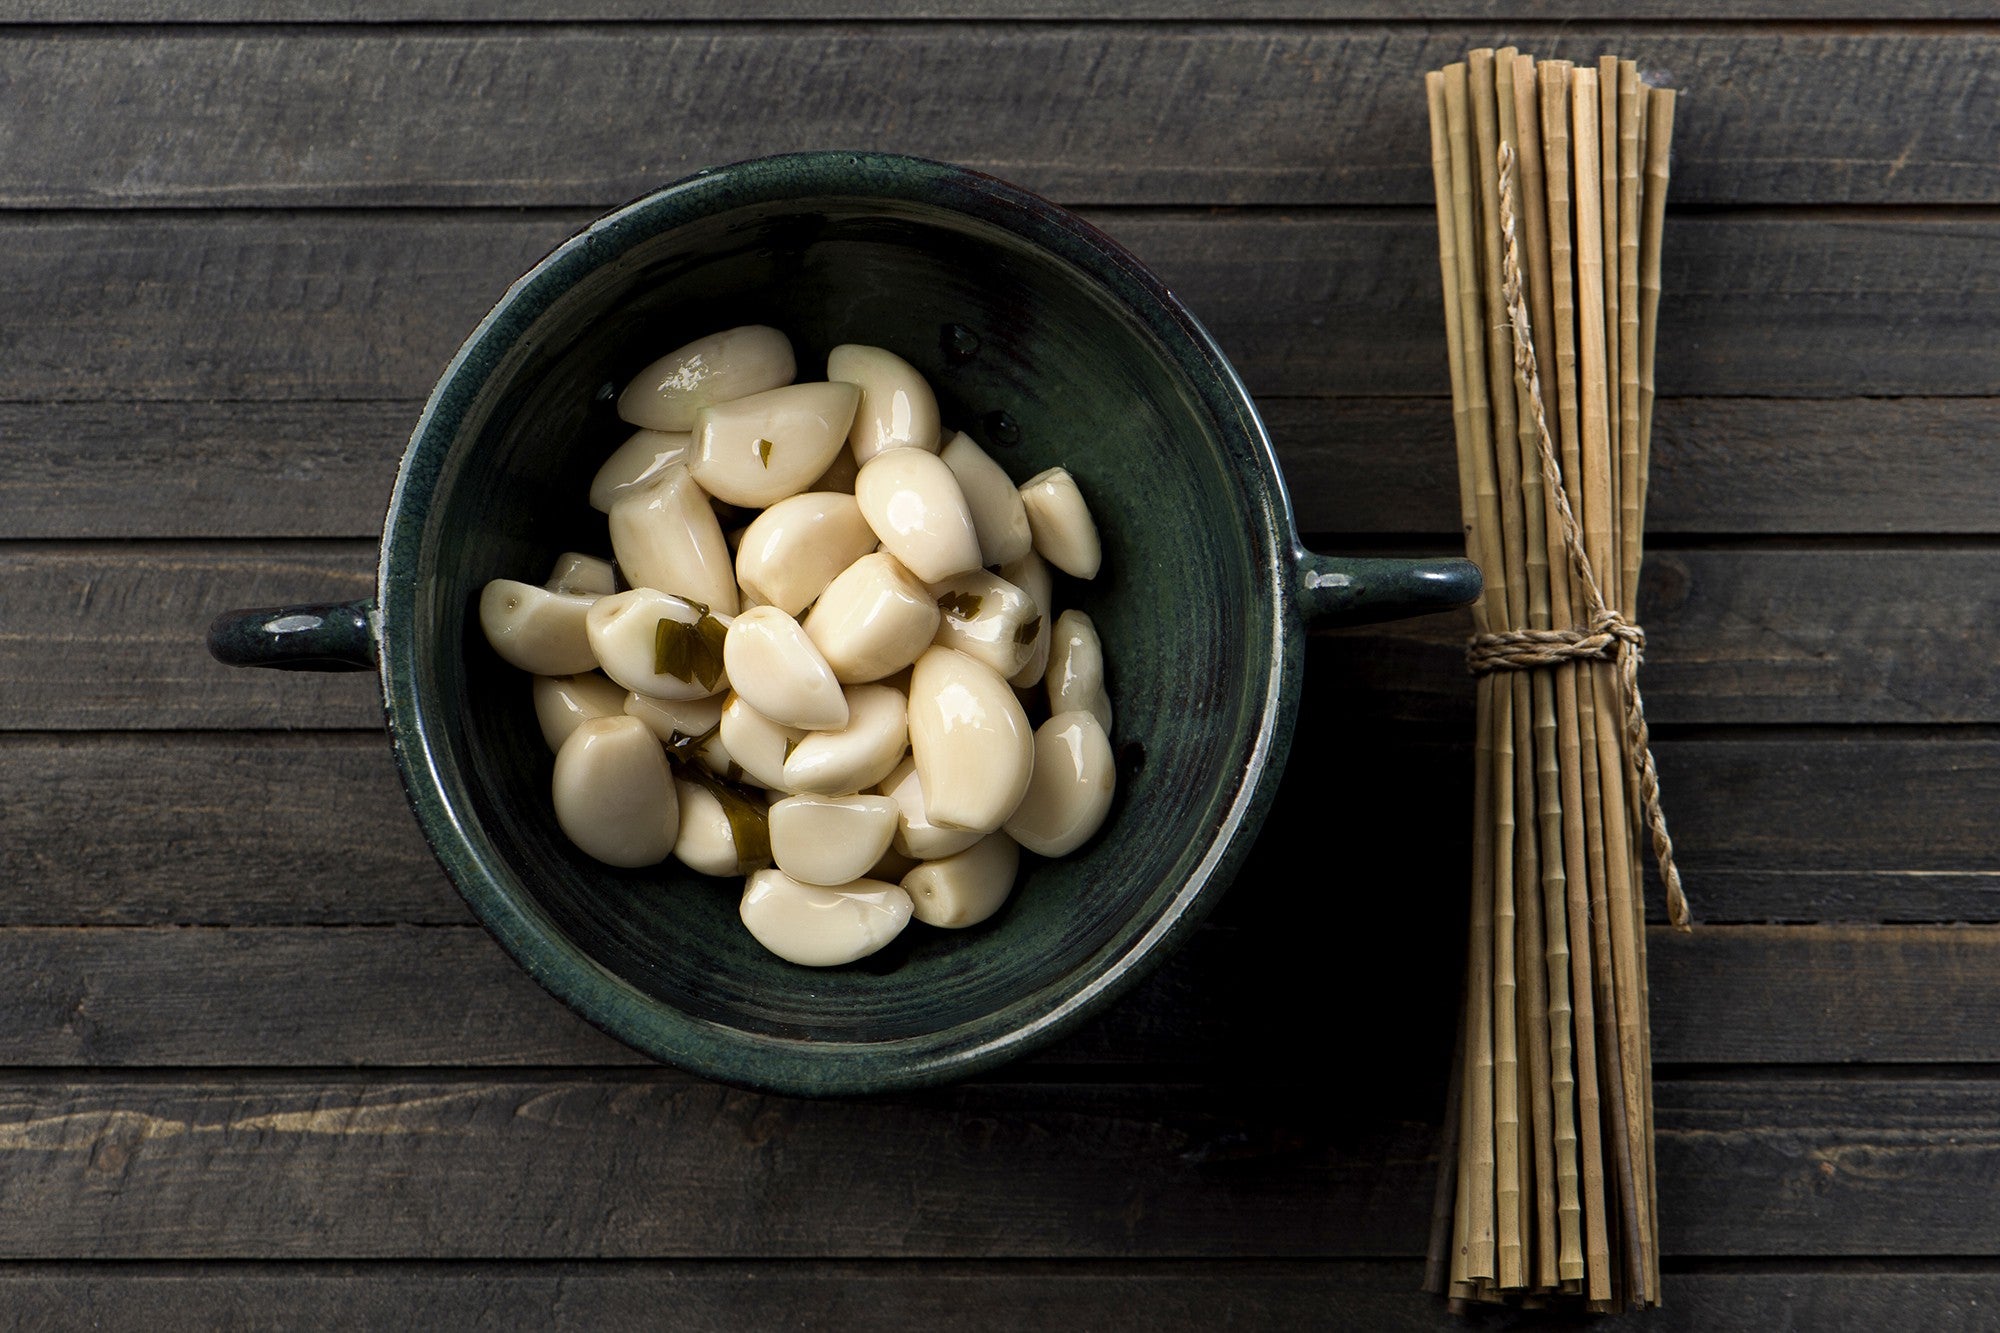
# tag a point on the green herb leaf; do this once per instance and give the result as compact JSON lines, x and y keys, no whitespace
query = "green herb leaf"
{"x":749,"y":824}
{"x":1029,"y":629}
{"x":712,"y":632}
{"x":687,"y":652}
{"x":961,"y":605}
{"x":764,"y":448}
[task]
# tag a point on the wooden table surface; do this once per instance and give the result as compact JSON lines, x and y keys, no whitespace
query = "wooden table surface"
{"x":262,"y":1067}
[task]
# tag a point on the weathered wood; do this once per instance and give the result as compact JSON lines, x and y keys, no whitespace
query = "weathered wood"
{"x":644,"y":1164}
{"x":1086,"y":113}
{"x":234,"y":828}
{"x":142,"y":997}
{"x":371,"y":305}
{"x":527,"y":11}
{"x":1355,"y":466}
{"x":107,"y":635}
{"x":944,"y":1296}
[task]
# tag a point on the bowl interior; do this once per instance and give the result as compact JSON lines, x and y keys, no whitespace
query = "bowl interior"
{"x":1045,"y":362}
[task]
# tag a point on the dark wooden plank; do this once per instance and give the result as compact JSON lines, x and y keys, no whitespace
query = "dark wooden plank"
{"x":944,"y":1296}
{"x":1333,"y":303}
{"x":142,"y":997}
{"x":1355,"y":466}
{"x":1088,"y":113}
{"x":242,"y":829}
{"x":106,"y":635}
{"x":527,"y":11}
{"x":648,"y":1164}
{"x":642,"y":1164}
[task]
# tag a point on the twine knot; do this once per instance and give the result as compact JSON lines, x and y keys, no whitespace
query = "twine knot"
{"x":1609,"y":635}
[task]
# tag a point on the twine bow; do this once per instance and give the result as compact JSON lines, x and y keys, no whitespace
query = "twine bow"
{"x":1609,"y":636}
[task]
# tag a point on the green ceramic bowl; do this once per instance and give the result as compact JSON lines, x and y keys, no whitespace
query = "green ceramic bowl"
{"x":1050,"y":343}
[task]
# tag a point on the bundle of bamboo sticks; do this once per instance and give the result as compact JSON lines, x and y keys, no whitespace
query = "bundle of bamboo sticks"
{"x":1551,"y":189}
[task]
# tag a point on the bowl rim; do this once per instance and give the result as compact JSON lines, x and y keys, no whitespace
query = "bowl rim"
{"x":794,"y":1065}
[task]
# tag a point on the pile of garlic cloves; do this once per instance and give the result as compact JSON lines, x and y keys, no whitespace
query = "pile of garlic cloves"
{"x":833,"y":698}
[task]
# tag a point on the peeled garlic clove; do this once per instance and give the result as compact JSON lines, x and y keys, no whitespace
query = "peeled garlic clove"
{"x":795,"y":548}
{"x":1076,"y":669}
{"x":816,"y":927}
{"x":916,"y":837}
{"x":637,"y":462}
{"x":1071,"y":790}
{"x":564,"y":703}
{"x":535,"y":629}
{"x":893,"y":865}
{"x":972,"y":744}
{"x":758,"y":450}
{"x":706,"y":843}
{"x":897,"y":409}
{"x":775,"y":667}
{"x":858,"y":755}
{"x":874,"y":619}
{"x":685,"y":660}
{"x":670,"y":718}
{"x":1031,"y":575}
{"x":830,"y":840}
{"x":965,"y":889}
{"x":913,"y":502}
{"x":998,"y":515}
{"x":732,"y":364}
{"x":614,"y":796}
{"x":756,"y":744}
{"x":988,"y":619}
{"x":666,"y":536}
{"x":578,"y":573}
{"x":1065,"y":534}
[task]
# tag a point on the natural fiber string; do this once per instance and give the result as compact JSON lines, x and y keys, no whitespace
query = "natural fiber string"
{"x":1609,"y":634}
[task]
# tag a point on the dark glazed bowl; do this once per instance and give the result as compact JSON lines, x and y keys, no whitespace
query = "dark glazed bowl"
{"x":1052,"y":345}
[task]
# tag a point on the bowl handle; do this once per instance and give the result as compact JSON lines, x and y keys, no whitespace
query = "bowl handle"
{"x":329,"y":636}
{"x":1360,"y":590}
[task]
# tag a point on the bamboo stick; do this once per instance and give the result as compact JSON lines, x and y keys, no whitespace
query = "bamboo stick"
{"x":1628,"y":329}
{"x":1477,"y":1159}
{"x":1659,"y":139}
{"x":1607,"y":180}
{"x":1501,"y":468}
{"x":1553,"y":747}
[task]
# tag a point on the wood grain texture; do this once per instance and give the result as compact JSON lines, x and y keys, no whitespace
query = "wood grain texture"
{"x":237,"y":829}
{"x":371,"y":305}
{"x":389,"y":12}
{"x":648,"y":1164}
{"x":945,"y":1296}
{"x":105,"y":635}
{"x":283,"y":997}
{"x":640,"y":1164}
{"x":1355,"y":466}
{"x":1087,"y":113}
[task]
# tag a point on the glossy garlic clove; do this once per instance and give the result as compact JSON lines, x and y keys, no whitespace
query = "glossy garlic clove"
{"x":1064,"y":532}
{"x":675,"y":718}
{"x":716,"y":369}
{"x":535,"y":629}
{"x":1031,"y":575}
{"x":776,"y":669}
{"x":666,"y":537}
{"x":971,"y":741}
{"x":564,"y":703}
{"x":897,"y":408}
{"x":627,"y":638}
{"x":966,"y":889}
{"x":858,"y":755}
{"x":916,"y":837}
{"x":586,"y":575}
{"x":830,"y":840}
{"x":706,"y":843}
{"x":873,"y":620}
{"x":988,"y":619}
{"x":792,"y":550}
{"x":998,"y":516}
{"x":819,"y":927}
{"x":637,"y":463}
{"x":1070,"y":793}
{"x":913,"y":502}
{"x":756,"y":745}
{"x":614,"y":796}
{"x":1076,"y":669}
{"x":758,"y":450}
